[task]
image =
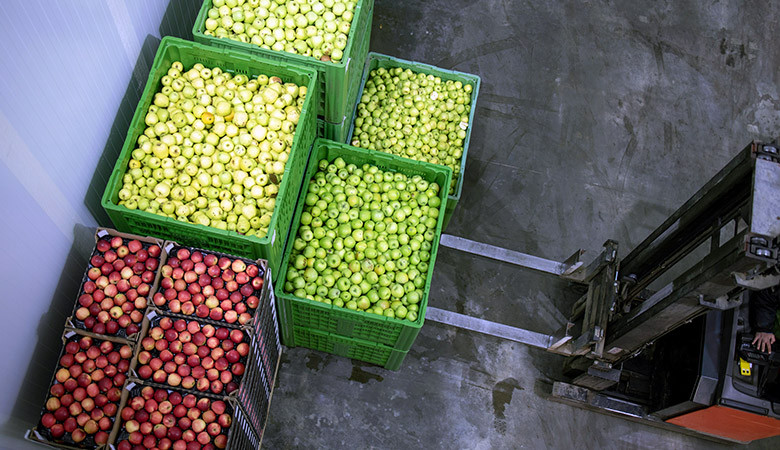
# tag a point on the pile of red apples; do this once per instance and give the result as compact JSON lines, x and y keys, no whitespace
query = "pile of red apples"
{"x":209,"y":286}
{"x":87,"y":389}
{"x":158,"y":418}
{"x":192,"y":355}
{"x":114,"y":296}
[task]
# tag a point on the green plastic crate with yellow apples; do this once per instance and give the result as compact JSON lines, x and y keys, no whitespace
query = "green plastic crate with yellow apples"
{"x":270,"y":246}
{"x":337,"y":79}
{"x":296,"y":312}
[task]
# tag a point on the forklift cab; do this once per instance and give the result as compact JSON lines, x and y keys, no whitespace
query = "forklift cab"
{"x":746,"y":402}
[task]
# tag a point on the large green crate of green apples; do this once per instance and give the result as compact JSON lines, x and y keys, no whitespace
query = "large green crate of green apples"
{"x":371,"y":352}
{"x":367,"y":251}
{"x":222,"y":236}
{"x":359,"y":137}
{"x":270,"y":38}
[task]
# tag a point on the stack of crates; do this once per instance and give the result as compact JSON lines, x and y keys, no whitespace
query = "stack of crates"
{"x":334,"y":91}
{"x":338,"y":82}
{"x":247,"y":406}
{"x":253,"y":396}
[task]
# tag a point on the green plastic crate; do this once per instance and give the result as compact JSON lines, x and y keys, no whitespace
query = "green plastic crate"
{"x":339,"y":131}
{"x":269,"y":247}
{"x":378,"y":60}
{"x":398,"y":334}
{"x":371,"y":352}
{"x":333,"y":131}
{"x":336,"y":79}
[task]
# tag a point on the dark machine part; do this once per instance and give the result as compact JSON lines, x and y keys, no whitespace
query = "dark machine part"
{"x":662,"y":335}
{"x":757,"y":391}
{"x":703,"y":257}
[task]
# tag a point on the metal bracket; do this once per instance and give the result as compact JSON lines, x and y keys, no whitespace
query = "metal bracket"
{"x":577,"y":271}
{"x":723,"y":302}
{"x":561,"y":340}
{"x":769,"y":152}
{"x":572,"y":263}
{"x":762,"y":248}
{"x":600,"y":375}
{"x":755,"y":281}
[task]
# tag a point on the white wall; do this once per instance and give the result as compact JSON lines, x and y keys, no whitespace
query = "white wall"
{"x":71,"y":76}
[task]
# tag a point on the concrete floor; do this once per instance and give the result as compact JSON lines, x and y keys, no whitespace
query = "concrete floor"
{"x":595,"y":120}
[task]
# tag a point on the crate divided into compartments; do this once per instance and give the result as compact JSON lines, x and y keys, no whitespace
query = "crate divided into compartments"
{"x":269,"y":247}
{"x":143,"y":278}
{"x":378,"y":60}
{"x":239,"y":433}
{"x":296,"y":312}
{"x":108,"y":395}
{"x":251,"y":386}
{"x":337,"y":80}
{"x":229,"y":295}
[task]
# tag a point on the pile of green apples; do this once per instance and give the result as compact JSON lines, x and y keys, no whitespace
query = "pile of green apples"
{"x":307,"y":27}
{"x":365,"y":239}
{"x":214,"y":148}
{"x":414,"y":115}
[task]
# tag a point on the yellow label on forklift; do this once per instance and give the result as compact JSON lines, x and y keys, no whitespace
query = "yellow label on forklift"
{"x":744,"y":367}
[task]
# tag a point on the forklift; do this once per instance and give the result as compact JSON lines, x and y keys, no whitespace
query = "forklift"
{"x":662,"y":336}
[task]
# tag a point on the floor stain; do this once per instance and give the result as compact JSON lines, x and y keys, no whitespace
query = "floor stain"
{"x":502,"y":396}
{"x":314,"y":362}
{"x":361,"y":376}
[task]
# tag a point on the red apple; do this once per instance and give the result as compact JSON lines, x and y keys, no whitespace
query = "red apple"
{"x":198,"y":425}
{"x":101,"y":437}
{"x":136,"y":438}
{"x":159,"y":376}
{"x":161,"y":345}
{"x":257,"y":283}
{"x":78,"y":435}
{"x":145,"y":372}
{"x":203,"y":384}
{"x":188,"y":382}
{"x":246,"y":290}
{"x":57,"y":431}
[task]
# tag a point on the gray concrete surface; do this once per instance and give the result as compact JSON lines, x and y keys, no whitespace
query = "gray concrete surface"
{"x":596,"y":120}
